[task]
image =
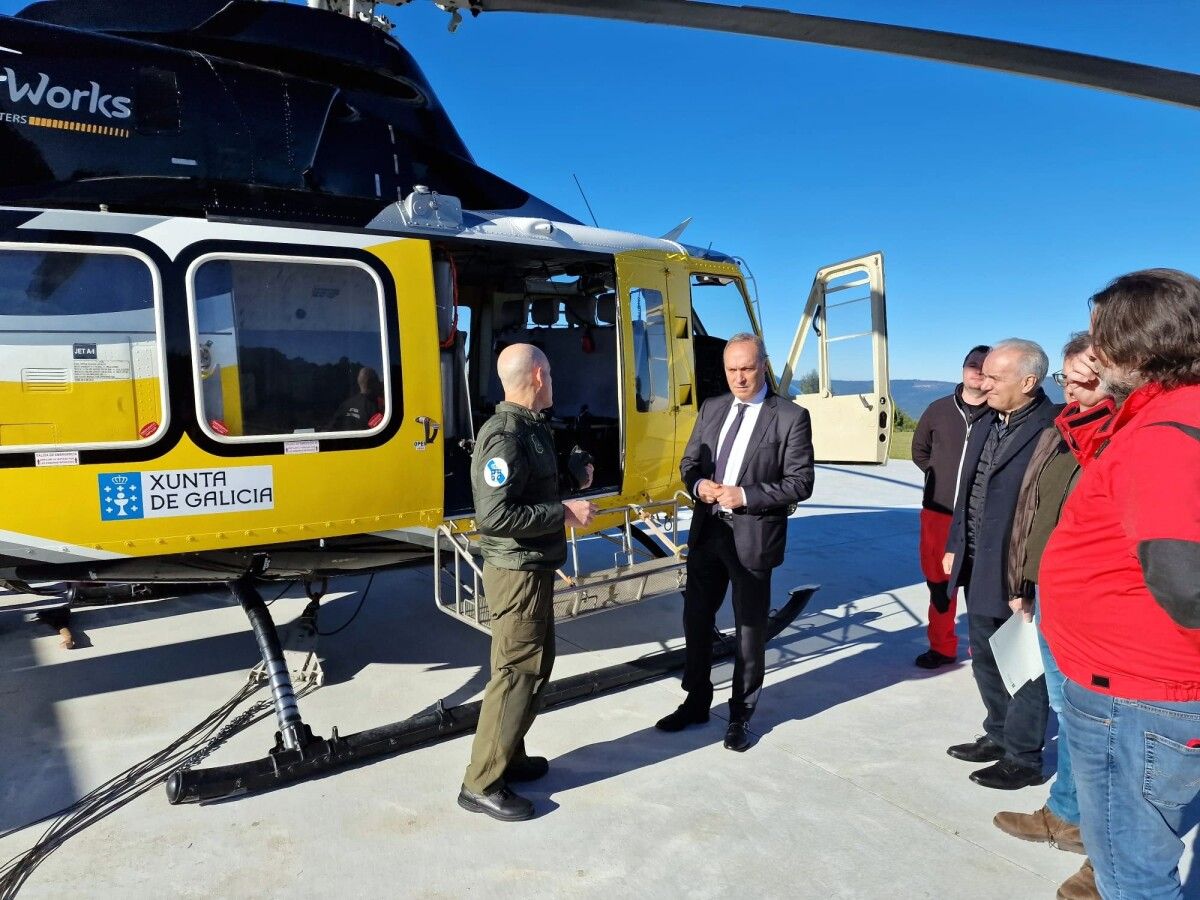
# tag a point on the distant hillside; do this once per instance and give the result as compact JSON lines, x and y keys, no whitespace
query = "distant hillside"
{"x":913,"y":395}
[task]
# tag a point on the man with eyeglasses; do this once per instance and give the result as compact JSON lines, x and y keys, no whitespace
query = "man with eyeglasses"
{"x":1119,"y":587}
{"x":937,"y":449}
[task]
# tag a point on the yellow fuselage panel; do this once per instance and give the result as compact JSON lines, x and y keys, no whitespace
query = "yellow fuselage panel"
{"x":281,"y":497}
{"x":81,"y":413}
{"x":301,"y":496}
{"x":312,"y":495}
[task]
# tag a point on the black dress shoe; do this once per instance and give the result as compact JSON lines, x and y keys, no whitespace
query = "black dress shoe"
{"x":683,"y":717}
{"x":737,"y":737}
{"x":982,"y":749}
{"x":527,"y":768}
{"x":500,"y":804}
{"x":1007,"y":775}
{"x":931,"y":659}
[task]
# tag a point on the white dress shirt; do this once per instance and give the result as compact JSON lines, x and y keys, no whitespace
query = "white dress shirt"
{"x":737,"y":453}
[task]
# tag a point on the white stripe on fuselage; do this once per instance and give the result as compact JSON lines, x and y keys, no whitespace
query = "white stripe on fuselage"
{"x":39,"y":549}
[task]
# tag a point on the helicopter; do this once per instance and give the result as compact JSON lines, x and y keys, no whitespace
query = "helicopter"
{"x":159,"y":329}
{"x":253,"y":283}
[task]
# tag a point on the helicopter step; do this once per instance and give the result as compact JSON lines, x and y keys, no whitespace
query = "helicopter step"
{"x":647,"y":563}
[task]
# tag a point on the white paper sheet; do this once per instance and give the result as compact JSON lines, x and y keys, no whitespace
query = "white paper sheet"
{"x":1018,"y":656}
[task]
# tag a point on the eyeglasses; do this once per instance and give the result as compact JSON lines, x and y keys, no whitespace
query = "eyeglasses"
{"x":1059,"y":378}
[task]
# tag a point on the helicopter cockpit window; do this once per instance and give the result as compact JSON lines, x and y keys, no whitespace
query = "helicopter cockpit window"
{"x":81,"y":354}
{"x":719,"y":311}
{"x":289,"y":347}
{"x":650,"y":349}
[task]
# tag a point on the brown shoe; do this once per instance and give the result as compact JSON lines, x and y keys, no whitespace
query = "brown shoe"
{"x":1081,"y":885}
{"x":1041,"y":826}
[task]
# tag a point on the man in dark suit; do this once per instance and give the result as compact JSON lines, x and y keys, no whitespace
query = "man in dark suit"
{"x":994,"y":464}
{"x":748,"y":462}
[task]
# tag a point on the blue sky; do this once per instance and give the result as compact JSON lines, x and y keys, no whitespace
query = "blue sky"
{"x":1000,"y":202}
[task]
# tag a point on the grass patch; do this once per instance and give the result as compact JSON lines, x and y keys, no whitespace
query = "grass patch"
{"x":901,"y":446}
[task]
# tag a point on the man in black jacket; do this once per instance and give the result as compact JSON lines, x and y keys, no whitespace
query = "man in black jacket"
{"x":993,"y":467}
{"x":748,"y":462}
{"x":937,"y":449}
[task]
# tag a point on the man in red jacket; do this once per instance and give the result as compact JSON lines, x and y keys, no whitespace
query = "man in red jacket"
{"x":1120,"y":590}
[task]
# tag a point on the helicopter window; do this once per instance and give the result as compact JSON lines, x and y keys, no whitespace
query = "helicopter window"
{"x":80,"y":348}
{"x":289,"y":346}
{"x":719,"y":306}
{"x":719,"y":311}
{"x":649,"y":349}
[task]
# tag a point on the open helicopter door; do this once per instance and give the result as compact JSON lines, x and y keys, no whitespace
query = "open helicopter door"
{"x":650,"y":405}
{"x":840,"y":373}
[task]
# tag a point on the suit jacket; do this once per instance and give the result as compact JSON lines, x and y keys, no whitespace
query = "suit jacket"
{"x":777,"y":472}
{"x":988,"y":591}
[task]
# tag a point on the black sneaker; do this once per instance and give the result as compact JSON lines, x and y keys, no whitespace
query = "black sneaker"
{"x":931,"y":659}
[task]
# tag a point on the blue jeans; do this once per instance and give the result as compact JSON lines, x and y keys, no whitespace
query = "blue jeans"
{"x":1139,"y":788}
{"x":1063,"y":802}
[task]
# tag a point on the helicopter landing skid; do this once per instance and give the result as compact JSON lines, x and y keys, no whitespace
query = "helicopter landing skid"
{"x":299,"y":642}
{"x":318,"y":755}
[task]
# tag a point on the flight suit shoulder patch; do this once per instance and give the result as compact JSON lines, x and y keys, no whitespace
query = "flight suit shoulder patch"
{"x":495,"y":471}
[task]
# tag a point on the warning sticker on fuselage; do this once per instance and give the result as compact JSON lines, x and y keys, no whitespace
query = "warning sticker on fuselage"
{"x":102,"y":370}
{"x":185,"y":492}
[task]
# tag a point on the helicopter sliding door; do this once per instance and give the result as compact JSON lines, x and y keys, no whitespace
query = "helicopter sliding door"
{"x":837,"y":368}
{"x":329,"y":356}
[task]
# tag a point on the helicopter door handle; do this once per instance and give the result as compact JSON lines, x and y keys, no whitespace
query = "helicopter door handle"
{"x":431,"y":429}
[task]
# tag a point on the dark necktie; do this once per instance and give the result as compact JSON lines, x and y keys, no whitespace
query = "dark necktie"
{"x":727,"y":444}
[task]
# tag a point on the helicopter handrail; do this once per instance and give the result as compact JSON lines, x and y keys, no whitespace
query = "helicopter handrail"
{"x":577,"y":593}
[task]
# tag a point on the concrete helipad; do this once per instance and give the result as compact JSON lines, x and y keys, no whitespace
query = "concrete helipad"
{"x":848,"y":792}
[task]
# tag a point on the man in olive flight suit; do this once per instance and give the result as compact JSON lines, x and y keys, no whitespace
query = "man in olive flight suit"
{"x":522,"y":522}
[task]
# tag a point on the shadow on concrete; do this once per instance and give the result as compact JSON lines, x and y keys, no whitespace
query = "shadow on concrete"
{"x":394,"y":626}
{"x":398,"y":626}
{"x":43,"y":781}
{"x":886,"y":659}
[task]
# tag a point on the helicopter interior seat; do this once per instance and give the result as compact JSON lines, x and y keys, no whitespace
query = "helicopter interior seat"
{"x":584,"y":360}
{"x":581,"y":311}
{"x":544,"y":312}
{"x":511,"y":317}
{"x":508,"y":327}
{"x":584,"y":363}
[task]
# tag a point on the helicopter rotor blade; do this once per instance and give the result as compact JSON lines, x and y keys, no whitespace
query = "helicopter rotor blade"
{"x":1118,"y":76}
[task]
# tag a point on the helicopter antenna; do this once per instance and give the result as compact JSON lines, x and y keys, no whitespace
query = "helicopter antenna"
{"x":585,"y":200}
